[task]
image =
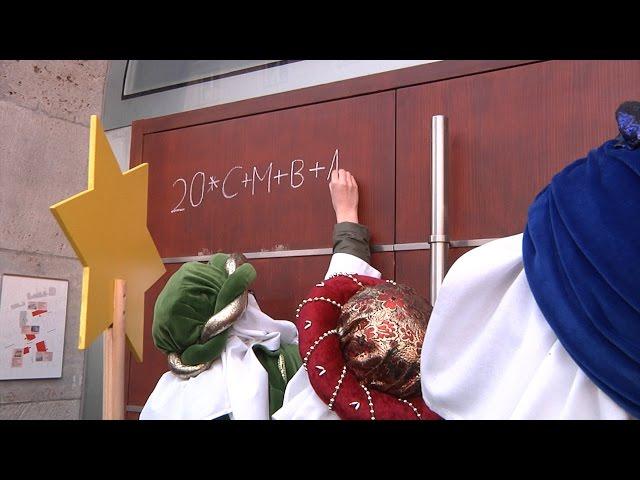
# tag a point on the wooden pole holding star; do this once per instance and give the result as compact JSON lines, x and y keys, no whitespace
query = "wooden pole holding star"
{"x":107,"y":227}
{"x":114,"y":357}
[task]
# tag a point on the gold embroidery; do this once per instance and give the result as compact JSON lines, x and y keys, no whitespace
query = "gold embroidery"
{"x":282,"y":367}
{"x":381,"y":332}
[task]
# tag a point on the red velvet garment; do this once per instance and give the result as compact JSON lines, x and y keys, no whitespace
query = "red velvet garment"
{"x":325,"y":363}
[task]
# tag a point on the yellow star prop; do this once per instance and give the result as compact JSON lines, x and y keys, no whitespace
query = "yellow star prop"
{"x":107,"y":227}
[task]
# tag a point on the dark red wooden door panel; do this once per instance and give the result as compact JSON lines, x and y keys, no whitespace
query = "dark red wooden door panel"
{"x":275,"y":197}
{"x":260,"y":182}
{"x":509,"y":132}
{"x":414,"y":268}
{"x":283,"y":283}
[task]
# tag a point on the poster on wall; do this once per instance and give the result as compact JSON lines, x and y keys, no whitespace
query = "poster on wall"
{"x":33,"y":312}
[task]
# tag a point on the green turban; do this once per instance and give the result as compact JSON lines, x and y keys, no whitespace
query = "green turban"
{"x":193,"y":294}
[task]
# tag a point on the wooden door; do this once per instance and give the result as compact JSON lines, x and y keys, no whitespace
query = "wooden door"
{"x":510,"y":131}
{"x":512,"y":125}
{"x":258,"y":184}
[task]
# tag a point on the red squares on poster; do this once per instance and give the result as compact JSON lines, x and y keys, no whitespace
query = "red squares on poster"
{"x":35,"y":313}
{"x":41,"y":347}
{"x":30,"y":336}
{"x":25,"y":350}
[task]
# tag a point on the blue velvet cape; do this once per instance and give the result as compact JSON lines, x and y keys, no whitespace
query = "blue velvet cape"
{"x":581,"y":253}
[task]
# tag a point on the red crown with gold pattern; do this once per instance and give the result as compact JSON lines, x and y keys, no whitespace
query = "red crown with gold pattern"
{"x":317,"y":322}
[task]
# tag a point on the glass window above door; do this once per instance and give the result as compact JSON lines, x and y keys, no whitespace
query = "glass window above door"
{"x":149,"y":76}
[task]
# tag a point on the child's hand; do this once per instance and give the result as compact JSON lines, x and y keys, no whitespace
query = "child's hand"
{"x":344,"y":196}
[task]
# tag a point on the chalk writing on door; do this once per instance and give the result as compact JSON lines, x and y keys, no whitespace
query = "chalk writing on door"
{"x":239,"y":180}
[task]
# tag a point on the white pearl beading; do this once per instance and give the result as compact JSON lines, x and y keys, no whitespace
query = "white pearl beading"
{"x":334,"y":331}
{"x":315,"y":299}
{"x":315,"y":344}
{"x":371,"y":411}
{"x":355,"y":279}
{"x":415,"y":410}
{"x":338,"y":385}
{"x":346,"y":275}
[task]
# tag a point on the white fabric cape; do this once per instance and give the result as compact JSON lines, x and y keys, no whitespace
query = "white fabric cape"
{"x":489,"y":353}
{"x":301,"y":402}
{"x":235,"y":384}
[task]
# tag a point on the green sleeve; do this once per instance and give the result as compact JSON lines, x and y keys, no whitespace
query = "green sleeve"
{"x":352,"y":238}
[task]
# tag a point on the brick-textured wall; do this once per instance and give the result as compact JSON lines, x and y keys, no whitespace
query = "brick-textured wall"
{"x":44,"y":140}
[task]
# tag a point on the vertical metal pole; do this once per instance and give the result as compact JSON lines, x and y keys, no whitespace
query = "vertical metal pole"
{"x":438,"y":239}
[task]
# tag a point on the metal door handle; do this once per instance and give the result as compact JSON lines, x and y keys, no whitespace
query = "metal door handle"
{"x":439,"y":240}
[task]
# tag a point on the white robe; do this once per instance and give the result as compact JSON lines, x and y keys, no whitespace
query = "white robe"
{"x":235,"y":384}
{"x":489,"y":353}
{"x":301,"y":402}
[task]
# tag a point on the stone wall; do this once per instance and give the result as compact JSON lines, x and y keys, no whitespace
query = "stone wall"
{"x":44,"y":140}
